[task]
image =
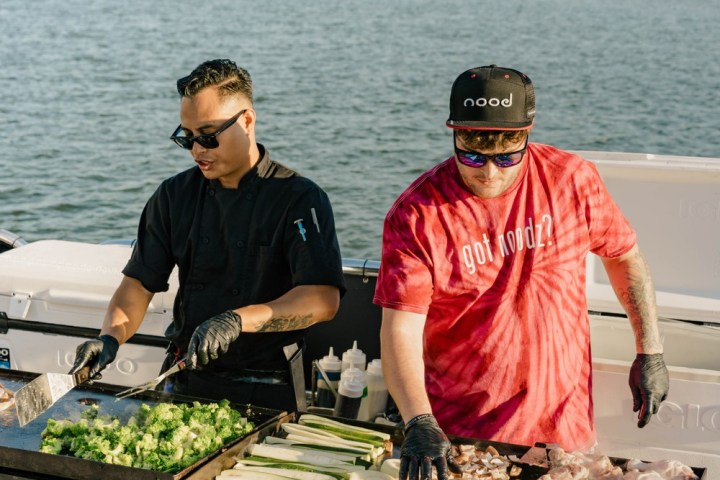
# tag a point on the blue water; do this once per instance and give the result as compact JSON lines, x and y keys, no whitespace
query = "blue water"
{"x":352,"y":94}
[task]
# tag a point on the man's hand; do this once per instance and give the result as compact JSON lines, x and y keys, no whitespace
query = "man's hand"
{"x":96,"y":354}
{"x":425,"y":445}
{"x":213,"y":337}
{"x":649,"y":383}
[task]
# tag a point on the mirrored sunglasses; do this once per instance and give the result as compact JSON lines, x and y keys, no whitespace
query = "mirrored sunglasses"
{"x":502,"y":160}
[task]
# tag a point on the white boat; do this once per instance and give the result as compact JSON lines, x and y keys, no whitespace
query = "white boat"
{"x":53,"y":295}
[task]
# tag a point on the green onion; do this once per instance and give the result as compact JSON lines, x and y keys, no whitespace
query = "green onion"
{"x":294,"y":474}
{"x":339,"y":472}
{"x":350,"y":432}
{"x":293,"y":455}
{"x":327,"y":448}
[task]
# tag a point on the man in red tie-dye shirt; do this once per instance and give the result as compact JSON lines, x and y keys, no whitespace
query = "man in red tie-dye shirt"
{"x":485,"y":329}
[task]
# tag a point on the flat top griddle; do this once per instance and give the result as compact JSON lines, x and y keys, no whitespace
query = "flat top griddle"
{"x":19,"y":446}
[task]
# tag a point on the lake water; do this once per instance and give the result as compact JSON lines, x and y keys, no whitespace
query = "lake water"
{"x":351,"y":94}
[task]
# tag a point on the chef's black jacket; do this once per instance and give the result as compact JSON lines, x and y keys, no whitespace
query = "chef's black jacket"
{"x":235,"y":248}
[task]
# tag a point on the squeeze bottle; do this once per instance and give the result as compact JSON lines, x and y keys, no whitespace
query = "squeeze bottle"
{"x":332,"y":366}
{"x":377,"y":390}
{"x":356,"y":375}
{"x":353,"y":357}
{"x":350,"y":392}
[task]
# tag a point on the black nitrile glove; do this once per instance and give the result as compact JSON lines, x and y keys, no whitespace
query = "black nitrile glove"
{"x":96,"y":354}
{"x":425,"y":445}
{"x":649,"y":383}
{"x":213,"y":337}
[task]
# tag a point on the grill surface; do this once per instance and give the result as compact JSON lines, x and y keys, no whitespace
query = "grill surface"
{"x":19,"y":445}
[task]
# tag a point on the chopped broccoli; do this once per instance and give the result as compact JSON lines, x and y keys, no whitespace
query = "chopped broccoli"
{"x":53,"y":445}
{"x":166,"y":437}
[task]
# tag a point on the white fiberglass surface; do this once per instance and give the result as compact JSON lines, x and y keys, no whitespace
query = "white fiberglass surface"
{"x":674,"y":206}
{"x":686,"y":346}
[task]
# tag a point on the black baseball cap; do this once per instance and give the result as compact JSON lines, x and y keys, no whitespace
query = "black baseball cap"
{"x":492,"y":98}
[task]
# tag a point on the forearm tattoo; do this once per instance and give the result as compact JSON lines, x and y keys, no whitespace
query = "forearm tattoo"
{"x":284,"y":324}
{"x":638,"y":298}
{"x":639,"y":292}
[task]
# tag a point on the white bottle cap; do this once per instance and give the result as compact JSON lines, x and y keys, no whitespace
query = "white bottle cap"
{"x":375,"y":368}
{"x":354,"y":375}
{"x":353,"y":357}
{"x":330,"y":362}
{"x":351,"y":388}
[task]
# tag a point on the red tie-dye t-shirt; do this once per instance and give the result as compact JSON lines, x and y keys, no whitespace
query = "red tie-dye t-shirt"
{"x":502,"y":281}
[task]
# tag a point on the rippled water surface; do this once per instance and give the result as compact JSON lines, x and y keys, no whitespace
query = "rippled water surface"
{"x":352,"y":94}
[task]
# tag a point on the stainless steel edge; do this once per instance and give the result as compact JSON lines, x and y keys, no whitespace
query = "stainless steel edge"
{"x":360,"y":268}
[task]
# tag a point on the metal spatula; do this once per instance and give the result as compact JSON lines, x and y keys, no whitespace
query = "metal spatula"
{"x":154,"y":382}
{"x":41,"y":393}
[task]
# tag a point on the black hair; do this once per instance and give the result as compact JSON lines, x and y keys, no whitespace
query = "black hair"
{"x":221,"y":73}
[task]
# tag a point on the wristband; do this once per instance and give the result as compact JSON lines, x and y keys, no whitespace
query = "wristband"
{"x":416,"y":419}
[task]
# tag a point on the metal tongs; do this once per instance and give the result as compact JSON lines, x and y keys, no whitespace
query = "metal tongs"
{"x":154,"y":382}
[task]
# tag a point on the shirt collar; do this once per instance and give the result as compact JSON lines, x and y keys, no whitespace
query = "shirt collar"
{"x":262,"y":169}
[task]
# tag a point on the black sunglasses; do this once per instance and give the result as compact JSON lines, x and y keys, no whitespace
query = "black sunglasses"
{"x":206,"y":140}
{"x":477,"y":160}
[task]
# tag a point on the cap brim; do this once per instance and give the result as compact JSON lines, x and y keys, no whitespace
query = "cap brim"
{"x":487,"y":126}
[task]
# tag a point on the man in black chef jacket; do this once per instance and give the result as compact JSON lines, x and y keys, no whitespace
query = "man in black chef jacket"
{"x":255,"y":246}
